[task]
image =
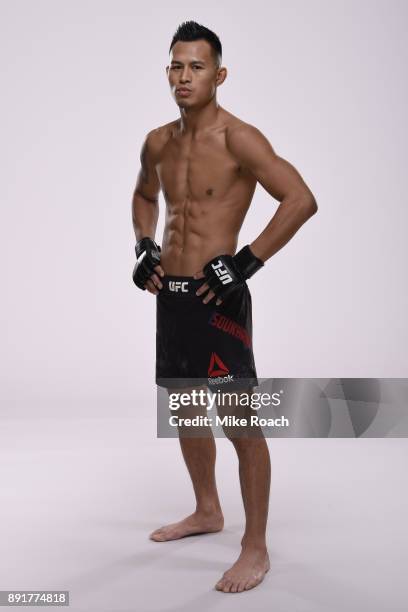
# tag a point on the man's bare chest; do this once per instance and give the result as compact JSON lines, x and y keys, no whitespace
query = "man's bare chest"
{"x":199,"y":169}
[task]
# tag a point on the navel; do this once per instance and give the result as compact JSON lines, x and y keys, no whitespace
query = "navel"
{"x":210,"y":192}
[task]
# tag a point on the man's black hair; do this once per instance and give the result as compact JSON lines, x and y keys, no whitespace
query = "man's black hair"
{"x":190,"y":30}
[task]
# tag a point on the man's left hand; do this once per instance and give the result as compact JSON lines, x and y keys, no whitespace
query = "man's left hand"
{"x":210,"y":295}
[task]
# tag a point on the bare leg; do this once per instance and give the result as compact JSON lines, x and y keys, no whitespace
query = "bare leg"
{"x":255,"y":475}
{"x":199,"y":454}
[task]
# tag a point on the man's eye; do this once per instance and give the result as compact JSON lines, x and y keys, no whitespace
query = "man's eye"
{"x":200,"y":67}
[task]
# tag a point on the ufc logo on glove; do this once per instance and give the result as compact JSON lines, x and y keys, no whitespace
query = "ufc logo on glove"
{"x":222,"y":272}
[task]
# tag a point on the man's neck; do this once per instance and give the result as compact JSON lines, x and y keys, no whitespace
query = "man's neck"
{"x":193,"y":120}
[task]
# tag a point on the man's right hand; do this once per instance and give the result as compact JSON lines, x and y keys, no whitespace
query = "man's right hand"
{"x":147,"y":270}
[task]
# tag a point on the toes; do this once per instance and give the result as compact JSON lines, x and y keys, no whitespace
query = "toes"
{"x":253,"y":582}
{"x":229,"y":585}
{"x":158,"y":535}
{"x":220,"y":584}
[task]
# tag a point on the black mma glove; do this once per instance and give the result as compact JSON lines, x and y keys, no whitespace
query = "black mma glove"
{"x":148,"y":256}
{"x":225,"y":273}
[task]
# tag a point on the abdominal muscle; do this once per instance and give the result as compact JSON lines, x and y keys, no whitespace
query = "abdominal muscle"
{"x":193,"y":235}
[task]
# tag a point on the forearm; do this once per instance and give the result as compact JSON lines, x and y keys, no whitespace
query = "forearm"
{"x":289,"y":217}
{"x":145,"y":214}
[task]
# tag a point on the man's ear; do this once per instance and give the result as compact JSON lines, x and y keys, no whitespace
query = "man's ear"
{"x":221,"y":76}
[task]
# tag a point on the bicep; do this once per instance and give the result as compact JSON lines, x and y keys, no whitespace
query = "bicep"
{"x":279,"y":177}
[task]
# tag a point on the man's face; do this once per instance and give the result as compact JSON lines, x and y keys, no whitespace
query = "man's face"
{"x":192,"y":73}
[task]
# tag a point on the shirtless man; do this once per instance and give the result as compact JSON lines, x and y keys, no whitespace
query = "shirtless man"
{"x":207,"y":164}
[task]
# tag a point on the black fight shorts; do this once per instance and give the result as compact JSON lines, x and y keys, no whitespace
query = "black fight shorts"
{"x":203,"y":344}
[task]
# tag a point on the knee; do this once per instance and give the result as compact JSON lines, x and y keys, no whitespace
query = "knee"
{"x":246,"y":443}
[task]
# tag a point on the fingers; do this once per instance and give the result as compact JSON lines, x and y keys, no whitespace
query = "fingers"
{"x":153,"y":284}
{"x":202,"y":289}
{"x":199,"y":274}
{"x":151,"y":287}
{"x":156,"y":281}
{"x":208,"y":297}
{"x":159,"y":270}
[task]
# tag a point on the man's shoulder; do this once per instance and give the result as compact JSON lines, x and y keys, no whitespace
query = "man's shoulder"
{"x":158,"y":137}
{"x":238,"y":130}
{"x":242,"y":138}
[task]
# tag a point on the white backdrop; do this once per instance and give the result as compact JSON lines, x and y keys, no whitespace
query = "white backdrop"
{"x":83,"y":82}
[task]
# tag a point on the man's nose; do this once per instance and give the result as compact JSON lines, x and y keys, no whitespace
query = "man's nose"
{"x":185,"y":75}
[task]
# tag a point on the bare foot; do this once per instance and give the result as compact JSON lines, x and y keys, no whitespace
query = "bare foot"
{"x":193,"y":524}
{"x":247,"y":572}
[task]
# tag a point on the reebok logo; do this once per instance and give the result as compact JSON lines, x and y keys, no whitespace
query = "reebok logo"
{"x":222,"y":272}
{"x":218,"y":373}
{"x":216,"y":366}
{"x":178,"y":286}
